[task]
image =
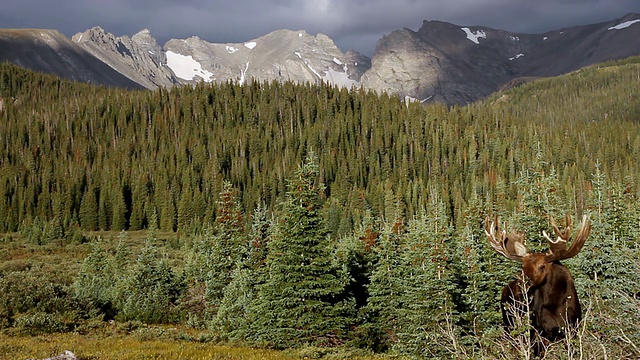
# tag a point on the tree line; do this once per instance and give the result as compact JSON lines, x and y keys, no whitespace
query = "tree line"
{"x":98,"y":158}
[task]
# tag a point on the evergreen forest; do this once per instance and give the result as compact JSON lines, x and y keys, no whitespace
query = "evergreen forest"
{"x":290,"y":216}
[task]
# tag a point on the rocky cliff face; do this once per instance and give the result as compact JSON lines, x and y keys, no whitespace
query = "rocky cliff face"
{"x":139,"y":58}
{"x":281,"y":55}
{"x":459,"y":64}
{"x":50,"y":51}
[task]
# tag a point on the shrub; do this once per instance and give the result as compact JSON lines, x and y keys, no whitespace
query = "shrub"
{"x":39,"y":322}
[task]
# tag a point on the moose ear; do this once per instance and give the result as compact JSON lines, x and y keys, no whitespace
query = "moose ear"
{"x":520,"y":249}
{"x":513,"y":244}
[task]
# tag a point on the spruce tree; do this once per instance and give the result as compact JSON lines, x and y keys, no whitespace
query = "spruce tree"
{"x":96,"y":280}
{"x":479,"y":280}
{"x":118,"y":220}
{"x":426,"y":319}
{"x":89,"y":210}
{"x":232,"y":318}
{"x":227,"y":245}
{"x":151,"y":290}
{"x":385,"y":288}
{"x":301,"y":301}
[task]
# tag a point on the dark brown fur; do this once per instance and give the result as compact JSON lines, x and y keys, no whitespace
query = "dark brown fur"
{"x":549,"y":293}
{"x":553,"y":300}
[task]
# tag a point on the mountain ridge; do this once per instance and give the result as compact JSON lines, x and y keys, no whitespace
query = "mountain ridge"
{"x":468,"y":63}
{"x":50,"y":51}
{"x":440,"y":61}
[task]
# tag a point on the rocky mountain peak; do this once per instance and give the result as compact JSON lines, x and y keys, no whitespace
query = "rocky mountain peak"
{"x":139,"y":57}
{"x":459,"y":64}
{"x":441,"y":61}
{"x":95,"y":34}
{"x":52,"y":52}
{"x":143,"y":37}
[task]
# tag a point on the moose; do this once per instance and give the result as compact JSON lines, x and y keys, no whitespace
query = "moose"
{"x":549,"y":289}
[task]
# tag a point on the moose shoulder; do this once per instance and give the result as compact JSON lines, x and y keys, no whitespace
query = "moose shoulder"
{"x":553,"y":301}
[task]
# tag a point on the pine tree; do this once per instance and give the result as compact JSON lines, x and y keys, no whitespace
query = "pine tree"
{"x":89,"y":210}
{"x":97,"y":280}
{"x":301,"y":300}
{"x":151,"y":290}
{"x":428,"y":286}
{"x":385,"y":288}
{"x":119,"y":209}
{"x":227,"y":245}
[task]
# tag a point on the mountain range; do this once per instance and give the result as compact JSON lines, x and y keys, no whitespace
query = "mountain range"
{"x":440,"y":62}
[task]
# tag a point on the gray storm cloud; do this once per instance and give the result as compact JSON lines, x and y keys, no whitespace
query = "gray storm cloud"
{"x":353,"y":24}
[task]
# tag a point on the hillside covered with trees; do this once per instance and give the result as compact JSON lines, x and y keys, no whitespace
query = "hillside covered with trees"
{"x":285,"y":215}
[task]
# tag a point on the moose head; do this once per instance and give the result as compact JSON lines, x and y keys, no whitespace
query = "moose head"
{"x":550,"y":290}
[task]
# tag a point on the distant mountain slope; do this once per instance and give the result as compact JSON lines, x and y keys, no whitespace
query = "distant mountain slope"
{"x":440,"y":62}
{"x":139,"y":57}
{"x":51,"y":52}
{"x":281,"y":55}
{"x":457,"y":64}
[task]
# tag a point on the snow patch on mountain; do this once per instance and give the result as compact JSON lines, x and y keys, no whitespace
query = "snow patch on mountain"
{"x":250,"y":45}
{"x":339,"y":78}
{"x":474,"y":36}
{"x":624,"y":25}
{"x":243,"y":73}
{"x":231,"y":49}
{"x":516,"y":57}
{"x":186,"y":67}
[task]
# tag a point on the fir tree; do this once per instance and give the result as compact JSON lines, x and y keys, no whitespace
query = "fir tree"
{"x":97,"y":280}
{"x":428,"y":286}
{"x":151,"y":290}
{"x":89,"y":210}
{"x":301,"y":300}
{"x":227,"y":245}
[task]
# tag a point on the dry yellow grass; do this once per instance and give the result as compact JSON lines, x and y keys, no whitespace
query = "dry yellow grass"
{"x":108,"y":346}
{"x":97,"y":347}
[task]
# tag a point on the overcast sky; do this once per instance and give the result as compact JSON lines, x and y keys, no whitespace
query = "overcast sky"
{"x":352,"y":24}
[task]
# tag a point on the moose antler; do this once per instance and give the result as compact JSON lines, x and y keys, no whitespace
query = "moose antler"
{"x":558,"y":248}
{"x":509,"y":245}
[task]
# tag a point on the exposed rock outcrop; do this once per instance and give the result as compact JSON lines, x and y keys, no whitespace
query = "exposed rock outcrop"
{"x":66,"y":355}
{"x":51,"y":52}
{"x":139,"y":58}
{"x":460,"y":64}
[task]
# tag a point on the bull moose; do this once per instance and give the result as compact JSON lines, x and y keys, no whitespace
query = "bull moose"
{"x":551,"y":294}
